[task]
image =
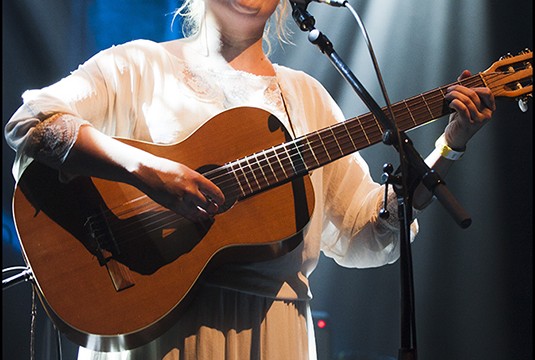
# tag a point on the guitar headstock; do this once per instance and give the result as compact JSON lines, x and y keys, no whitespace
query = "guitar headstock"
{"x":512,"y":77}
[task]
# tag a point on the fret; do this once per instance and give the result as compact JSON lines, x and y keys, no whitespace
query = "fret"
{"x":427,"y":106}
{"x":257,"y":172}
{"x":242,"y":175}
{"x":271,"y":172}
{"x":320,"y":152}
{"x":289,"y":158}
{"x":357,"y":119}
{"x":358,"y":136}
{"x":376,"y":122}
{"x":284,"y":161}
{"x":249,"y":175}
{"x":311,"y":151}
{"x":345,"y":143}
{"x":335,"y":137}
{"x":404,"y":117}
{"x":265,"y":168}
{"x":278,"y":168}
{"x":324,"y":147}
{"x":410,"y":112}
{"x":436,"y":101}
{"x":399,"y":114}
{"x":233,"y":172}
{"x":442,"y":93}
{"x":344,"y":124}
{"x":298,"y":161}
{"x":251,"y":172}
{"x":445,"y":107}
{"x":377,"y":134}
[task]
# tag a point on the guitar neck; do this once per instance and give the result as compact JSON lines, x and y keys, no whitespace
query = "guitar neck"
{"x":282,"y":163}
{"x":362,"y":131}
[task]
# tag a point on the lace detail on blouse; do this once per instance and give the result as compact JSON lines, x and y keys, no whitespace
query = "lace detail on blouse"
{"x":230,"y":88}
{"x":273,"y":95}
{"x":52,"y":138}
{"x":198,"y":84}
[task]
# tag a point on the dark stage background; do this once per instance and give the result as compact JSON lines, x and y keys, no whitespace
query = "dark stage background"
{"x":473,"y":287}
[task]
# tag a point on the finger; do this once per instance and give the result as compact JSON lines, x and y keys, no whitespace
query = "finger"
{"x":465,"y":74}
{"x":212,"y":192}
{"x":479,"y":101}
{"x":460,"y":108}
{"x":463,"y":93}
{"x":211,"y":206}
{"x":464,"y":105}
{"x":187,"y":210}
{"x":487,"y":98}
{"x":208,"y":207}
{"x":195,"y":213}
{"x":202,"y":214}
{"x":204,"y":204}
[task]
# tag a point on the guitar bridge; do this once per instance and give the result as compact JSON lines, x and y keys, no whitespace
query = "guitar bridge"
{"x":100,"y":231}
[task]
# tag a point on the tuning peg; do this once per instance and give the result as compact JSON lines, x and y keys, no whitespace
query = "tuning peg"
{"x":523,"y":102}
{"x":506,"y":56}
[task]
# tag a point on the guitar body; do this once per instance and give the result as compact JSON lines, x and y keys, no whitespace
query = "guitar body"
{"x":113,"y":271}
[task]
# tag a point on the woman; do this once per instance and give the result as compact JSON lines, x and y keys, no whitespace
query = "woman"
{"x":163,"y":92}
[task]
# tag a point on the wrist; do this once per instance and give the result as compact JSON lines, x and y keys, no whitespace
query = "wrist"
{"x":447,"y":152}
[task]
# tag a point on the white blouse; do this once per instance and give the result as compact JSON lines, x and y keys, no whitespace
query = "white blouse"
{"x":140,"y":90}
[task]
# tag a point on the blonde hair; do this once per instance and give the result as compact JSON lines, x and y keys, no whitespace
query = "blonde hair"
{"x":192,"y":12}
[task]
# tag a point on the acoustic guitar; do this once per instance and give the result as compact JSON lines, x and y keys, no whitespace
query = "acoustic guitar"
{"x":114,"y":269}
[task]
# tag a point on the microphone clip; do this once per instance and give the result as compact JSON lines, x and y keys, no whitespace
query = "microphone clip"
{"x":388,"y":178}
{"x":302,"y":17}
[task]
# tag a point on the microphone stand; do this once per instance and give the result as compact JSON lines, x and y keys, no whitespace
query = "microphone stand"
{"x":412,"y":170}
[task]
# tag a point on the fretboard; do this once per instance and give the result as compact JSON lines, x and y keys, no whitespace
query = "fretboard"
{"x":284,"y":162}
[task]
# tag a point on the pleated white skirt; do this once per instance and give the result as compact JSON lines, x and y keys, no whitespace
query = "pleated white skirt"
{"x":222,"y":324}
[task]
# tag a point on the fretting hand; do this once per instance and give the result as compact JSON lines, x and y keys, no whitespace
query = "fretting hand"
{"x":473,"y":108}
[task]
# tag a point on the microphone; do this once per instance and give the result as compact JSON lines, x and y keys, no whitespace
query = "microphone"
{"x":335,"y":3}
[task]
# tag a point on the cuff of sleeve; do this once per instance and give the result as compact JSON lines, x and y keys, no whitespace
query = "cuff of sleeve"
{"x":392,"y":220}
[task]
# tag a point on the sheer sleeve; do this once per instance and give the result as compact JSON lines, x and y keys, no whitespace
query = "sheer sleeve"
{"x":353,"y":233}
{"x":35,"y":130}
{"x":82,"y":97}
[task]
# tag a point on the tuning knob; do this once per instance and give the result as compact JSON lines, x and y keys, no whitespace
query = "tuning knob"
{"x":523,"y":103}
{"x":506,"y":56}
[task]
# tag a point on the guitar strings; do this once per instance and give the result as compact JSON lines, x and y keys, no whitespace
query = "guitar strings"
{"x":251,"y":170}
{"x":369,"y":122}
{"x":376,"y":133}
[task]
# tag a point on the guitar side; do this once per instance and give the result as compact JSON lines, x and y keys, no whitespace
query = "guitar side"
{"x":102,"y":294}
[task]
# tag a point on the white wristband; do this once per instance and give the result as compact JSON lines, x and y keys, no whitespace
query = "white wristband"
{"x":445,"y":151}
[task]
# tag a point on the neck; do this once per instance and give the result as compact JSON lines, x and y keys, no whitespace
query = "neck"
{"x":237,"y":43}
